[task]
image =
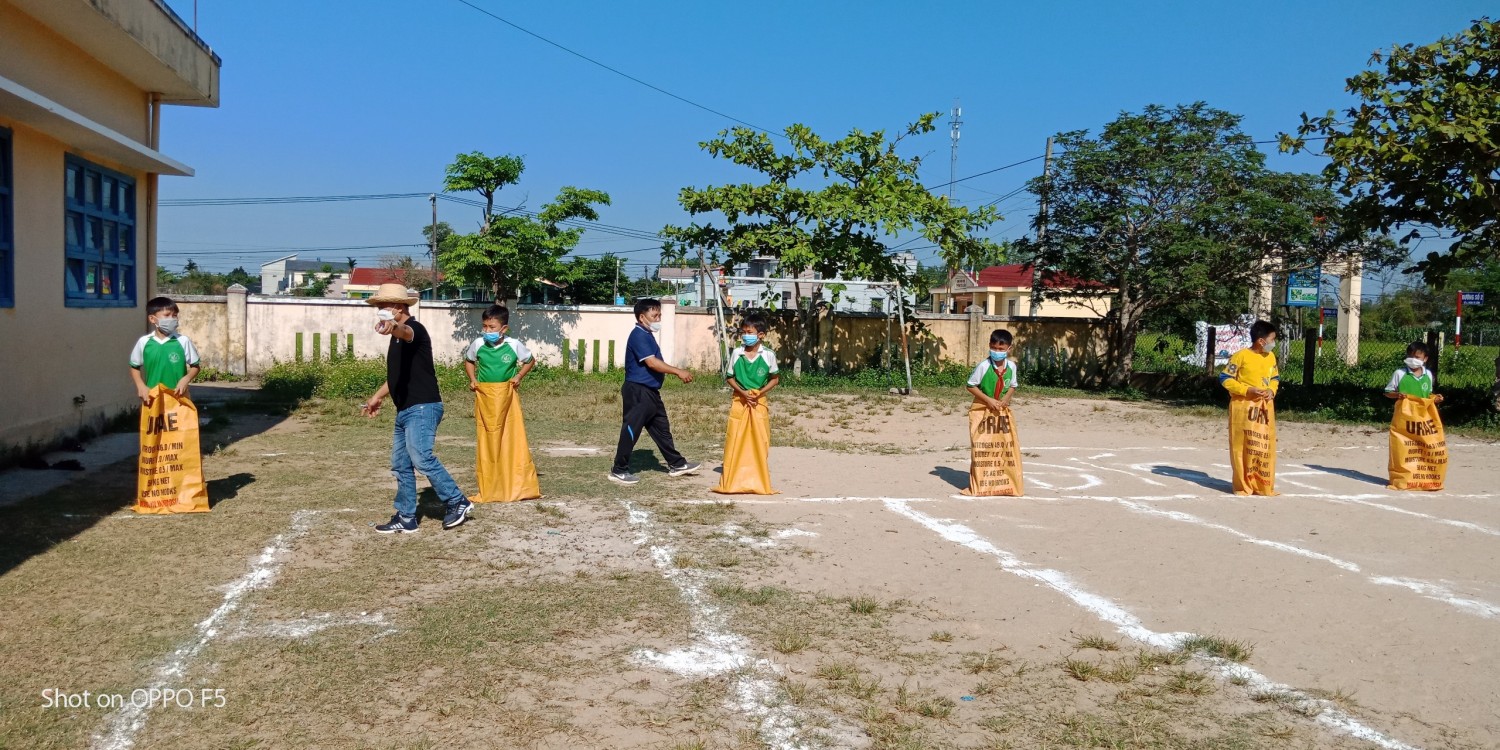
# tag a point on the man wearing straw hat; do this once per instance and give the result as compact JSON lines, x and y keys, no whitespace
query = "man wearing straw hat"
{"x":411,"y":382}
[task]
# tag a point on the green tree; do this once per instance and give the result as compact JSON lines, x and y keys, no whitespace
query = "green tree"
{"x":828,"y":206}
{"x":485,"y":175}
{"x":316,"y":283}
{"x":513,"y":250}
{"x":242,"y":277}
{"x":1422,"y":147}
{"x":1171,"y":205}
{"x":591,"y":281}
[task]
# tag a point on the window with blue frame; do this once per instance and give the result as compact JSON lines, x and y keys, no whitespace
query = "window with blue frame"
{"x":100,"y":245}
{"x":7,"y":238}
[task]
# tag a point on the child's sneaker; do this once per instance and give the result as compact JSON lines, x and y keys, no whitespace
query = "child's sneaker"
{"x":458,"y":513}
{"x":687,"y":468}
{"x":398,"y":525}
{"x":623,"y":477}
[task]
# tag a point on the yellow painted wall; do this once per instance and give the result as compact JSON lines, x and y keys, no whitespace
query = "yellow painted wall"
{"x":37,"y":58}
{"x":53,"y":353}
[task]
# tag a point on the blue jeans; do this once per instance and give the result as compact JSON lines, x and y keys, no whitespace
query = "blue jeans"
{"x":411,"y":451}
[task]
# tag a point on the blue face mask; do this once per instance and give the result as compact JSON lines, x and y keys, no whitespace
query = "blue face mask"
{"x":998,"y":356}
{"x":491,"y":337}
{"x":750,"y":339}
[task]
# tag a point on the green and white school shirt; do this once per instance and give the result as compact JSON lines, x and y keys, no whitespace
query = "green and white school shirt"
{"x":987,"y":375}
{"x":163,"y":359}
{"x":497,"y":363}
{"x":752,"y":370}
{"x":1411,"y":384}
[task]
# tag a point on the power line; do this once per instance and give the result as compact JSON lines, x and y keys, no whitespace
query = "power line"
{"x":287,"y":199}
{"x":617,"y":71}
{"x":251,"y":252}
{"x":980,"y":174}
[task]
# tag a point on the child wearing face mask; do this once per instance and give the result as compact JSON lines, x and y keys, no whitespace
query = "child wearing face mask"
{"x":162,"y":357}
{"x":496,"y":365}
{"x":1252,"y":379}
{"x":752,"y":373}
{"x":1418,"y":447}
{"x":995,"y":452}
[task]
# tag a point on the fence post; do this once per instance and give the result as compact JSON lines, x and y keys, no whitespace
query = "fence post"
{"x":1210,"y":350}
{"x":1434,"y":353}
{"x":1309,"y":355}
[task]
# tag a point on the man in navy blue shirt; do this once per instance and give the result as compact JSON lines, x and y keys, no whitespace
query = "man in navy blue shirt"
{"x":641,"y":396}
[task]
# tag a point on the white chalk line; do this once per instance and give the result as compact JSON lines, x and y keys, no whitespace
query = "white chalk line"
{"x":1441,"y":593}
{"x":718,"y":650}
{"x":1129,"y":625}
{"x":125,"y":724}
{"x":303,"y":627}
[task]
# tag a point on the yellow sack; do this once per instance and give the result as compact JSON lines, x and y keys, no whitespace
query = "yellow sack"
{"x":169,"y":477}
{"x":995,"y":453}
{"x":505,"y":470}
{"x":747,"y":449}
{"x":1252,"y":445}
{"x":1419,"y":449}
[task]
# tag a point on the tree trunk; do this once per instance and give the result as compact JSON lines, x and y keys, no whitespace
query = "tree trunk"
{"x":1120,"y":356}
{"x":1495,"y":389}
{"x":800,"y":347}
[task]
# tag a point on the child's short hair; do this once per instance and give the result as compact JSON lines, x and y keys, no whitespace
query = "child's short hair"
{"x":643,"y":306}
{"x":1417,"y":347}
{"x":1262,"y":329}
{"x":754,"y":321}
{"x":1000,"y":336}
{"x":157,"y":304}
{"x":497,"y":312}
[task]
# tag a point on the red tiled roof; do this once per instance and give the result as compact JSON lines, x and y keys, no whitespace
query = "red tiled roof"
{"x":1021,"y":275}
{"x":378,"y":276}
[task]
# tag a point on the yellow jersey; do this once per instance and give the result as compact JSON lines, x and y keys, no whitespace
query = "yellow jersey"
{"x":1248,"y":369}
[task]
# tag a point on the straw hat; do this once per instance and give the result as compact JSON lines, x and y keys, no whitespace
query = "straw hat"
{"x":394,"y":293}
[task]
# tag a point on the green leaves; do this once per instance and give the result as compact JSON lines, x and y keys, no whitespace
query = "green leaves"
{"x":483,"y":174}
{"x":1422,"y":146}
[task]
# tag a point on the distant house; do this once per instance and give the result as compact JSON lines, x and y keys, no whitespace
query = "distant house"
{"x":364,"y":282}
{"x":1006,"y":290}
{"x":286,"y":273}
{"x":856,"y":296}
{"x":82,"y":84}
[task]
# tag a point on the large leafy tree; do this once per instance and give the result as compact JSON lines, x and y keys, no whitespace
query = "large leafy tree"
{"x":1167,"y":208}
{"x":1421,"y":146}
{"x":827,"y":206}
{"x":591,"y":281}
{"x":483,"y":174}
{"x":513,"y":250}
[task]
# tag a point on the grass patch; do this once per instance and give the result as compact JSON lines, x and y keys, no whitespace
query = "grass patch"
{"x":1217,"y":647}
{"x":1081,"y":670}
{"x":1184,"y":682}
{"x":789,"y":642}
{"x":864,"y":605}
{"x":551,"y":511}
{"x":940,"y":636}
{"x":1095,"y":642}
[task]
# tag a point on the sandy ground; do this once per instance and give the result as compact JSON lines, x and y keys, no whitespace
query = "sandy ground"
{"x":1340,"y":583}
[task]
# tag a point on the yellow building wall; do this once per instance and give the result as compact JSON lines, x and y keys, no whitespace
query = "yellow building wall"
{"x":37,"y":58}
{"x":51,"y":352}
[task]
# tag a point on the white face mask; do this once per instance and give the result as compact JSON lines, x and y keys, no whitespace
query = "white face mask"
{"x":1412,"y":363}
{"x":385,"y":314}
{"x":655,"y":327}
{"x":167,"y":326}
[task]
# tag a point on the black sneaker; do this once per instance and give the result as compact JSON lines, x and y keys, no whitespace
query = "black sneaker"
{"x":687,"y":468}
{"x":623,"y":477}
{"x":398,"y":525}
{"x":458,"y":513}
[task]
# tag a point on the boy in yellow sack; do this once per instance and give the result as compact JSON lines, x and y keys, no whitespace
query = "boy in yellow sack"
{"x":169,"y":476}
{"x":752,"y":373}
{"x":496,"y":364}
{"x":1252,"y":380}
{"x":1419,"y":449}
{"x":995,"y":447}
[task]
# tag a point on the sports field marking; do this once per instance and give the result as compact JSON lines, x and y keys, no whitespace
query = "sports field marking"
{"x":1443,"y":594}
{"x":1101,"y":467}
{"x":303,"y":627}
{"x":1129,"y":625}
{"x":126,"y":723}
{"x":718,"y":650}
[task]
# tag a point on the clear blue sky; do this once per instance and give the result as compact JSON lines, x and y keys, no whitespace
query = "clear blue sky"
{"x":344,"y":97}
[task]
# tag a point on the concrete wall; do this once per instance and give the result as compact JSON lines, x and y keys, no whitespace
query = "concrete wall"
{"x":54,"y":353}
{"x":836,"y":342}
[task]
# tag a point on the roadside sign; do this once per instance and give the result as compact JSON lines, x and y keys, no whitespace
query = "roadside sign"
{"x":1473,"y":298}
{"x":1330,"y":312}
{"x":1302,"y":287}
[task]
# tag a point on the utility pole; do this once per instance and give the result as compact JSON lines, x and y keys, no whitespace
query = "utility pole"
{"x":433,"y":249}
{"x":1041,"y":234}
{"x":702,"y":279}
{"x":616,"y":295}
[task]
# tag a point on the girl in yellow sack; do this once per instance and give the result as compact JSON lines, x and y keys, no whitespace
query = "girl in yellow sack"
{"x":747,"y":442}
{"x":496,"y":364}
{"x":995,"y":447}
{"x":1419,"y":449}
{"x":1252,"y":380}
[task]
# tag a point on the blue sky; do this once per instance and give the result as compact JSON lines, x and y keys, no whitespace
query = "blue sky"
{"x":340,"y":97}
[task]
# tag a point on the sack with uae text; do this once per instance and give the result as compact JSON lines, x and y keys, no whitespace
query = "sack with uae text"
{"x":1419,"y":449}
{"x":170,"y":467}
